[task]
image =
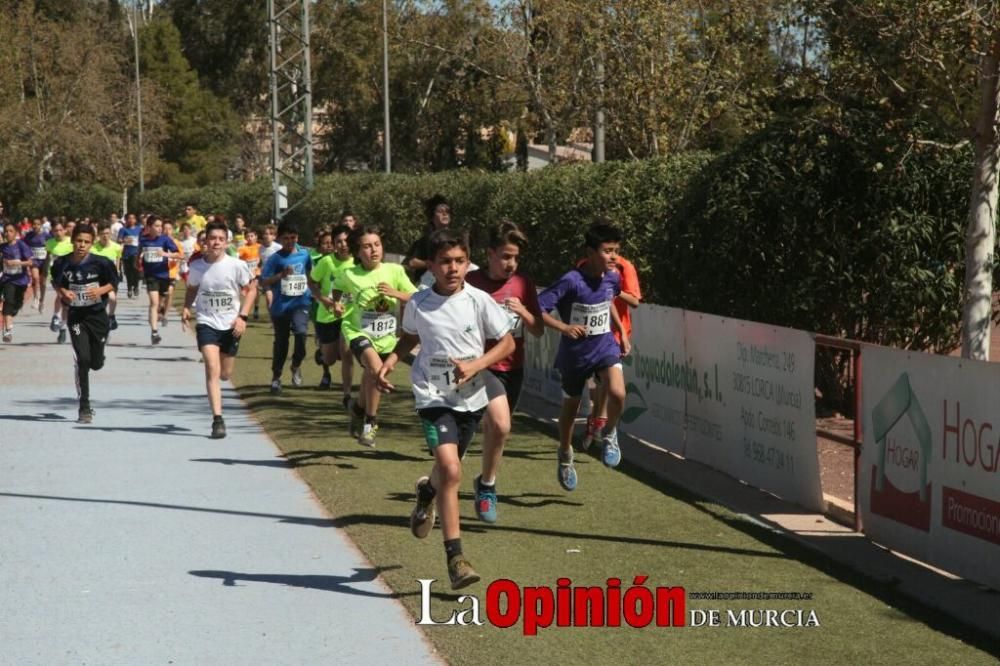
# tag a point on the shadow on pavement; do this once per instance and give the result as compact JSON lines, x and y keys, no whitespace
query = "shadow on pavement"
{"x":48,"y":416}
{"x":339,"y":584}
{"x":165,"y":429}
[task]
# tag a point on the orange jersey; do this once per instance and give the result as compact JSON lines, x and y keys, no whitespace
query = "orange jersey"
{"x":251,"y":255}
{"x":630,"y":285}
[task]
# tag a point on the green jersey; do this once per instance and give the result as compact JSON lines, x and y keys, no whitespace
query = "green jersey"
{"x":112,"y":251}
{"x":325,"y":271}
{"x":59,"y":248}
{"x":372,"y":314}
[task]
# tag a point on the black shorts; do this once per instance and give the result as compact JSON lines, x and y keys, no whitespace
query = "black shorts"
{"x":329,"y":332}
{"x":13,"y":298}
{"x":443,"y":425}
{"x":358,"y":347}
{"x":159,"y":285}
{"x":88,"y":333}
{"x":574,"y":381}
{"x":227,"y":343}
{"x":512,"y":381}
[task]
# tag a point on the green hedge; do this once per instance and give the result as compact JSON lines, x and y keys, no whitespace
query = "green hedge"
{"x":71,"y":200}
{"x":829,"y":224}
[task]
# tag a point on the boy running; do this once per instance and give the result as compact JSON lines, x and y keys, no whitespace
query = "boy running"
{"x":83,"y":283}
{"x":156,"y":250}
{"x":286,"y":275}
{"x":327,"y":323}
{"x":584,"y":298}
{"x":128,"y":238}
{"x":224,"y":288}
{"x":451,"y":322}
{"x":59,"y":246}
{"x":112,"y":251}
{"x":374,"y":291}
{"x":268,"y":246}
{"x":518,"y":296}
{"x":15,"y":278}
{"x":35,"y":239}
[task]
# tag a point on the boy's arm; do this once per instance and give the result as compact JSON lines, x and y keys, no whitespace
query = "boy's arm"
{"x":403,"y":348}
{"x":626,"y":343}
{"x":466,"y":370}
{"x":575,"y":332}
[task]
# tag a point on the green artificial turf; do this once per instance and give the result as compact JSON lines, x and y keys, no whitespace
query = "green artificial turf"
{"x":618,"y":523}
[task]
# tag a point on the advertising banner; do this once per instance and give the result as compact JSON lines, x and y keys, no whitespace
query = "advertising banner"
{"x":928,"y":484}
{"x":541,"y":379}
{"x":655,"y":378}
{"x":750,"y":405}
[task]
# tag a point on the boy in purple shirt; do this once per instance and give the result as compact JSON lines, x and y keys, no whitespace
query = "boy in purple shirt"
{"x":14,"y":276}
{"x":35,"y":239}
{"x":583,"y":297}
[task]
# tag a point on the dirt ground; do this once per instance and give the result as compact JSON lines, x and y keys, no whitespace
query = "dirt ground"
{"x":836,"y":461}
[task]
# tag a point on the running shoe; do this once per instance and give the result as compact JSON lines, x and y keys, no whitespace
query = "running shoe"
{"x":422,"y":516}
{"x":113,"y":323}
{"x":611,"y":455}
{"x":8,"y":335}
{"x":368,"y":433}
{"x":357,"y":421}
{"x":566,"y":471}
{"x":218,"y":428}
{"x":154,"y":338}
{"x":589,"y":435}
{"x":486,"y":501}
{"x":324,"y":384}
{"x":276,"y":387}
{"x":34,"y":304}
{"x":297,"y":376}
{"x":56,"y":324}
{"x":461,"y":572}
{"x":86,"y":415}
{"x":61,"y":338}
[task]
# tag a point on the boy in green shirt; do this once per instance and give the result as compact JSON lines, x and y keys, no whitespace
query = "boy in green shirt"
{"x":328,"y":324}
{"x":112,"y":251}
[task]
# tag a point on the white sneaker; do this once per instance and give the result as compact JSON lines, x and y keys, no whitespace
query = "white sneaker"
{"x":296,"y":376}
{"x":8,"y":335}
{"x":55,"y":324}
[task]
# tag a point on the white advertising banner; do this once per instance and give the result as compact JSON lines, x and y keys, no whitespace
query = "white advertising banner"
{"x":750,"y":406}
{"x":929,"y":483}
{"x":655,"y":378}
{"x":541,"y":379}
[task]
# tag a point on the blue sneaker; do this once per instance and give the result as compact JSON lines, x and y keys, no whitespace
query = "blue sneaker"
{"x":486,"y":501}
{"x":566,"y":472}
{"x":611,"y":455}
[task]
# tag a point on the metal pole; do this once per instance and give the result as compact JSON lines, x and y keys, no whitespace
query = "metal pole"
{"x":385,"y":84}
{"x":275,"y":154}
{"x":307,"y":101}
{"x":599,"y":120}
{"x":138,"y":94}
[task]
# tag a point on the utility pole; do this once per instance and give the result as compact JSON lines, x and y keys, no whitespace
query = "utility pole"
{"x":291,"y":104}
{"x":385,"y":85}
{"x":134,"y":25}
{"x":599,"y":123}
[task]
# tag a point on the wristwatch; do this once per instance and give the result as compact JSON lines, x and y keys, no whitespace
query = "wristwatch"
{"x":244,"y":317}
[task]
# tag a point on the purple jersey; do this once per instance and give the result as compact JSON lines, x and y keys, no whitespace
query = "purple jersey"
{"x":154,"y":264}
{"x":16,"y":251}
{"x":584,"y":301}
{"x":36,"y":241}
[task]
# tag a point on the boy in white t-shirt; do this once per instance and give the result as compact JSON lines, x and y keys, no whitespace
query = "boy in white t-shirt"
{"x":451,"y":322}
{"x":225,"y":290}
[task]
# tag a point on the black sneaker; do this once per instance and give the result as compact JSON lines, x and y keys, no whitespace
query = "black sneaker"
{"x":324,"y":384}
{"x":62,"y":336}
{"x":86,"y":415}
{"x":218,"y":428}
{"x":113,"y":323}
{"x":155,"y":338}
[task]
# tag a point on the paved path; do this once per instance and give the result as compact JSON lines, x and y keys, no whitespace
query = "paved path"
{"x":124,"y":542}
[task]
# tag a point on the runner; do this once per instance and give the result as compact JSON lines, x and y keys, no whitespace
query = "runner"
{"x":116,"y":226}
{"x":451,"y":322}
{"x":194,"y":218}
{"x":438,"y":213}
{"x":128,"y":237}
{"x":35,"y":239}
{"x":112,"y":251}
{"x":374,"y":291}
{"x":239,"y":233}
{"x":286,"y":275}
{"x":349,"y":220}
{"x":324,"y":247}
{"x":188,"y":243}
{"x":268,"y":246}
{"x":58,"y":246}
{"x":16,"y":276}
{"x":224,"y":289}
{"x":583,"y":298}
{"x":84,"y":282}
{"x":516,"y":294}
{"x":174,"y":272}
{"x":327,"y":322}
{"x":630,"y":298}
{"x":156,"y":250}
{"x":250,"y":253}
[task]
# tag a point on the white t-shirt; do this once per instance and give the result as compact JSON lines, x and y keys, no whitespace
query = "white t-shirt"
{"x":452,"y":327}
{"x":267,"y":250}
{"x":220,"y":286}
{"x":427,"y":279}
{"x":115,"y":228}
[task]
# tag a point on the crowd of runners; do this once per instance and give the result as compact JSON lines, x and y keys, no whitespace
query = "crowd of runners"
{"x":466,"y":323}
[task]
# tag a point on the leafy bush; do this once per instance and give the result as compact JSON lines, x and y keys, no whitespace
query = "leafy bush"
{"x":71,"y":200}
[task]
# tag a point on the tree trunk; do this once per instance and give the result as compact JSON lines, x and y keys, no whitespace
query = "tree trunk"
{"x":980,"y":235}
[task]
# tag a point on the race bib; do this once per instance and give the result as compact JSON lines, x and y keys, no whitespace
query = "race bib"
{"x":184,"y":266}
{"x":517,"y":330}
{"x":130,"y":240}
{"x":378,"y":324}
{"x":80,"y":296}
{"x":595,"y":318}
{"x":12,"y":269}
{"x":219,"y":302}
{"x":443,"y":381}
{"x":39,"y":253}
{"x":152,"y":255}
{"x":252,"y":264}
{"x":293,"y":285}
